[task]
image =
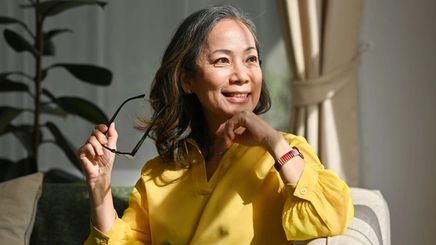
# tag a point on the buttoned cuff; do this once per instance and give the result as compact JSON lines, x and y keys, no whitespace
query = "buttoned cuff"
{"x":99,"y":237}
{"x":306,"y":184}
{"x":96,"y":236}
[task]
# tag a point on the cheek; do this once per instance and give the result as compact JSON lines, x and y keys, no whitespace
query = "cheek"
{"x":208,"y":79}
{"x":258,"y":81}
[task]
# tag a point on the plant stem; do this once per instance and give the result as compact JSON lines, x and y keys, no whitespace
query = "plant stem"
{"x":38,"y":89}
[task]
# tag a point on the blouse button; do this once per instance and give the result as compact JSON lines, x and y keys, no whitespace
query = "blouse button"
{"x":303,"y":190}
{"x":223,"y":231}
{"x":101,"y":241}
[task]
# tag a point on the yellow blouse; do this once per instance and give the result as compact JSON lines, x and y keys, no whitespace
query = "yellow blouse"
{"x":244,"y":202}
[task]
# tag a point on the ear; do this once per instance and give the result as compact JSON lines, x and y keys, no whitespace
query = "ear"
{"x":186,"y":83}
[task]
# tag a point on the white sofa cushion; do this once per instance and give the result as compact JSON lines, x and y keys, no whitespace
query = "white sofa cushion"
{"x":18,"y":205}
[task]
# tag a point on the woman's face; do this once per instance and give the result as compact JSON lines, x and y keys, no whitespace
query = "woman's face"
{"x":228,"y":79}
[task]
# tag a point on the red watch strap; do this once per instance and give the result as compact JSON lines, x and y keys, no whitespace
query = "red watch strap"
{"x":294,"y":152}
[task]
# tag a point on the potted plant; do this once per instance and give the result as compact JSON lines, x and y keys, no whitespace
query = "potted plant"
{"x":38,"y":42}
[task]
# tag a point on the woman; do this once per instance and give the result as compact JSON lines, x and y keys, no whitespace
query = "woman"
{"x":214,"y":179}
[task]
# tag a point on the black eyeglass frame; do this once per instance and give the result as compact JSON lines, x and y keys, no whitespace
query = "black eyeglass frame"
{"x":131,"y":154}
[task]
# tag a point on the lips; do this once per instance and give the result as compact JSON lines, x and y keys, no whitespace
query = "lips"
{"x":235,"y":94}
{"x":236,"y":97}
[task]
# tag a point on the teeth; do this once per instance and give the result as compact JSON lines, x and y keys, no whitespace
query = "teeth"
{"x":237,"y":95}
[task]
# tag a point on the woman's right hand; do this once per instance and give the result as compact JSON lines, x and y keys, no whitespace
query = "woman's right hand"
{"x":97,"y":161}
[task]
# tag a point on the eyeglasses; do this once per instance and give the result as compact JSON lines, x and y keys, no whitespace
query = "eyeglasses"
{"x":131,"y":155}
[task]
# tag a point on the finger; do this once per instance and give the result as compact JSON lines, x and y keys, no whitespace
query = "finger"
{"x":101,"y":137}
{"x":102,"y":128}
{"x":100,"y":132}
{"x":228,"y":132}
{"x":112,"y":136}
{"x":87,"y":152}
{"x":96,"y":145}
{"x":239,"y":131}
{"x":220,"y":130}
{"x":87,"y":159}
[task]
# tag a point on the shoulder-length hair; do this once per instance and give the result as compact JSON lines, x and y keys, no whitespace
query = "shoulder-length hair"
{"x":181,"y":114}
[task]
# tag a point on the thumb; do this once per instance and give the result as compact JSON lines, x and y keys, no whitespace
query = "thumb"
{"x":112,"y":136}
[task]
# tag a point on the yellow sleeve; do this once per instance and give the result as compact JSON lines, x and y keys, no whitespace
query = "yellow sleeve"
{"x":319,"y":204}
{"x":132,"y":228}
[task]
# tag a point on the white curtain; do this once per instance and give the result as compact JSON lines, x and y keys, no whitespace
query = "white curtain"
{"x":322,"y":43}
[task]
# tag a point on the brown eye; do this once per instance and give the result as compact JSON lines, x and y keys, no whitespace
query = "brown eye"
{"x":222,"y":60}
{"x":252,"y":59}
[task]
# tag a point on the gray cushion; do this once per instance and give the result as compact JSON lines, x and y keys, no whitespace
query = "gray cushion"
{"x":63,"y":213}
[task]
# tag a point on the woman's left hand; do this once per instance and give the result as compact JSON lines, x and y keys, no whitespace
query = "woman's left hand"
{"x":249,"y":129}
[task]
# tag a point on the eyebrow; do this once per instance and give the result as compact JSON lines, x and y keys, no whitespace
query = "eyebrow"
{"x":227,"y":51}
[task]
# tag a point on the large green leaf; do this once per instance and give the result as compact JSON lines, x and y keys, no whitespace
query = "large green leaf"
{"x":49,"y":47}
{"x":43,"y":74}
{"x":7,"y":114}
{"x":49,"y":108}
{"x":53,"y":110}
{"x":17,"y":42}
{"x":5,"y":161}
{"x":65,"y":145}
{"x":83,"y":108}
{"x":54,"y":7}
{"x":88,"y":73}
{"x":7,"y":129}
{"x":48,"y":94}
{"x":11,"y":170}
{"x":52,"y":33}
{"x":4,"y":75}
{"x":6,"y":166}
{"x":24,"y":133}
{"x":7,"y":85}
{"x":4,"y":20}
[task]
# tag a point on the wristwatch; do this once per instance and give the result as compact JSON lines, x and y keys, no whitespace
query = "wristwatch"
{"x":294,"y":152}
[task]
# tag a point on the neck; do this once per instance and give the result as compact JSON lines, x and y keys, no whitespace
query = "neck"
{"x":207,"y":139}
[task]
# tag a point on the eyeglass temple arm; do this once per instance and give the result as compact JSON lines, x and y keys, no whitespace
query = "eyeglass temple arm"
{"x":147,"y":131}
{"x":119,"y":108}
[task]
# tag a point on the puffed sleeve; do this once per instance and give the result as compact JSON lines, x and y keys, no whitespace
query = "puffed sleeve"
{"x":319,"y":204}
{"x":132,"y":228}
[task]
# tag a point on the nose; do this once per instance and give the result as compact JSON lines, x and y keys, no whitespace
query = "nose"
{"x":240,"y":74}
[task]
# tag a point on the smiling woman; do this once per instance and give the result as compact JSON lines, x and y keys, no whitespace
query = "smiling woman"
{"x":207,"y":96}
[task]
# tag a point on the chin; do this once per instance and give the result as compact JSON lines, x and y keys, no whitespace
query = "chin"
{"x":240,"y":109}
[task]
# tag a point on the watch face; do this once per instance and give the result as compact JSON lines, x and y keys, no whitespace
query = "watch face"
{"x":299,"y":152}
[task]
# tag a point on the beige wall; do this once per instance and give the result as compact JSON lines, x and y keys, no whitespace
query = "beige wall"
{"x":398,"y":116}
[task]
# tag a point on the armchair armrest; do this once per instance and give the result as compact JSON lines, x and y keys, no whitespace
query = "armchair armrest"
{"x":370,"y":225}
